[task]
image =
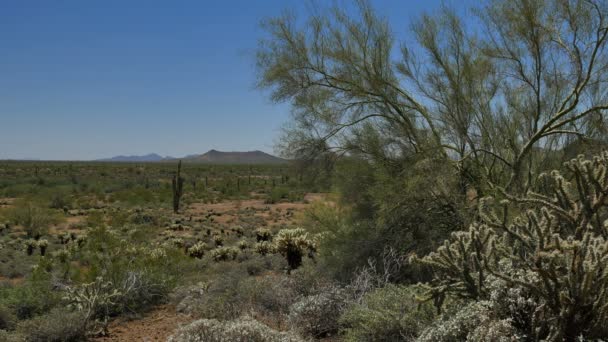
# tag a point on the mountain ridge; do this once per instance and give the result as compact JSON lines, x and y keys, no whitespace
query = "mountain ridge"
{"x":210,"y":157}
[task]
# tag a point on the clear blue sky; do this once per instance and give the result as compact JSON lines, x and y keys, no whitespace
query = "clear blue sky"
{"x":91,"y":79}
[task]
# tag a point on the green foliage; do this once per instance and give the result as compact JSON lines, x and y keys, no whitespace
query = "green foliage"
{"x":59,"y":325}
{"x":241,"y":330}
{"x":35,"y":220}
{"x":391,"y":313}
{"x":318,"y":315}
{"x":7,"y":318}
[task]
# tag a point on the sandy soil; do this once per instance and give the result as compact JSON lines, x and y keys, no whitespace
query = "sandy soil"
{"x":156,"y":325}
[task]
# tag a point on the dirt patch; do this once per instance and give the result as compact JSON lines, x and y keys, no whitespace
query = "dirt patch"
{"x":156,"y":325}
{"x":6,"y":202}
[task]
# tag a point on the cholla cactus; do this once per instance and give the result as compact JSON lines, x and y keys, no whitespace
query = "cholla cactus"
{"x":224,"y":253}
{"x":557,"y":249}
{"x":262,"y":234}
{"x":93,"y":299}
{"x":238,"y":230}
{"x":42,"y":245}
{"x":197,"y":250}
{"x":30,"y":246}
{"x":264,"y":247}
{"x":293,"y":244}
{"x":243,"y":244}
{"x":218,"y":240}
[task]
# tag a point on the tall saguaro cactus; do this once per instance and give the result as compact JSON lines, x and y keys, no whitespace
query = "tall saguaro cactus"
{"x":177,"y":186}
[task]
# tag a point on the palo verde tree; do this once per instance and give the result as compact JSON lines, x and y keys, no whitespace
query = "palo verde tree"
{"x":493,"y":95}
{"x":177,"y":186}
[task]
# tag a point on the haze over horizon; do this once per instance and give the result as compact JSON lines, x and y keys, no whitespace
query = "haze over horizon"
{"x":83,"y":80}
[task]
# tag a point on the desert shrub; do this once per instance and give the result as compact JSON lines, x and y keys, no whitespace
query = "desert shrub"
{"x":241,"y":330}
{"x":318,"y":315}
{"x":10,"y":336}
{"x":143,"y":275}
{"x":391,"y":313}
{"x":7,"y":318}
{"x":32,"y":298}
{"x":553,"y":255}
{"x":219,"y":299}
{"x":270,"y":294}
{"x":293,"y":244}
{"x":60,"y":200}
{"x":224,"y":253}
{"x":475,"y":322}
{"x":59,"y":325}
{"x":35,"y":220}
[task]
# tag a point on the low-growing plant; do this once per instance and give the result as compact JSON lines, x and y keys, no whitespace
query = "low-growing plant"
{"x":59,"y":325}
{"x":318,"y":315}
{"x":241,"y":330}
{"x":391,"y":313}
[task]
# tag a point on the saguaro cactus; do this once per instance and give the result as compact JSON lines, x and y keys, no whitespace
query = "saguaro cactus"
{"x":177,"y":186}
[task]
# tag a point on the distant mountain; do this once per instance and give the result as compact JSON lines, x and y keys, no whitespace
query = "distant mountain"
{"x":250,"y":157}
{"x":152,"y":157}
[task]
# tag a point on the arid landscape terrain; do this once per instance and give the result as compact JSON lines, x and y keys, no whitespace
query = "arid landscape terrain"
{"x":375,"y":170}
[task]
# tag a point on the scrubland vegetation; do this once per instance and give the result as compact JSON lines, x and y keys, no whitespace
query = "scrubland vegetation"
{"x":450,"y":190}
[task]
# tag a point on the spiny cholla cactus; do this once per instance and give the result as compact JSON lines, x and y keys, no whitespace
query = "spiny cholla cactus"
{"x":263,"y":234}
{"x":293,"y":244}
{"x":197,"y":250}
{"x":557,"y":251}
{"x":93,"y":299}
{"x":238,"y":230}
{"x":42,"y":245}
{"x":224,"y":253}
{"x":264,"y":247}
{"x":218,"y":240}
{"x":243,"y":244}
{"x":30,"y":245}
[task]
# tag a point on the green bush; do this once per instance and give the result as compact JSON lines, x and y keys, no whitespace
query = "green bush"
{"x":241,"y":330}
{"x":7,"y":318}
{"x":59,"y":325}
{"x":35,"y":220}
{"x":318,"y":315}
{"x":391,"y":313}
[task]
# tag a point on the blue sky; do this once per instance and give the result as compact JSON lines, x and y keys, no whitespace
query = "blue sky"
{"x":92,"y":79}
